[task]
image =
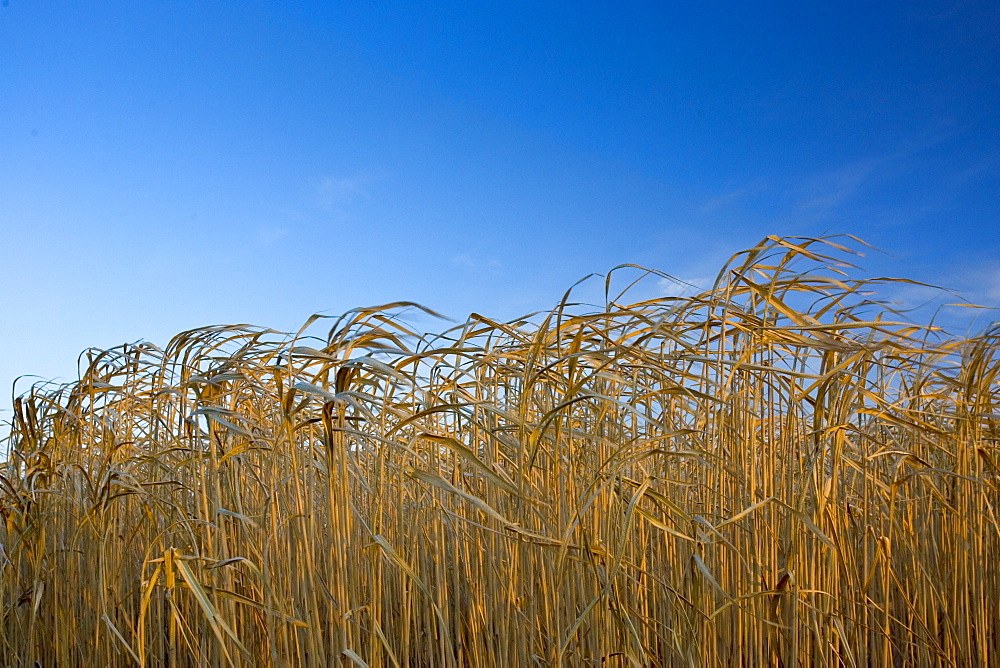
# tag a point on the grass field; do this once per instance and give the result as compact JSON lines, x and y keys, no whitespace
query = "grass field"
{"x":777,"y":471}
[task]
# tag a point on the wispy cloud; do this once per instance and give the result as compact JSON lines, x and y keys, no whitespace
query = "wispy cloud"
{"x":974,"y":171}
{"x":268,"y":235}
{"x":683,"y":287}
{"x":977,"y":285}
{"x":992,"y":287}
{"x":471,"y":263}
{"x":735,"y":196}
{"x":978,"y":282}
{"x":826,"y":191}
{"x":982,"y":283}
{"x":334,"y":194}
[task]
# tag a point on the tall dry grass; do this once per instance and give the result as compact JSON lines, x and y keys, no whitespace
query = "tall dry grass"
{"x":777,"y":471}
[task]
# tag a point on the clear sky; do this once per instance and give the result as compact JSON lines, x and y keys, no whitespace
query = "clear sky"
{"x":165,"y":165}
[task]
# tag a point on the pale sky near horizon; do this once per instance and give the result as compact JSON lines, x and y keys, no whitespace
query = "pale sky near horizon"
{"x":171,"y":165}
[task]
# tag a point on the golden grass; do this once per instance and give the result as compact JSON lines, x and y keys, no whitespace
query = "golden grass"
{"x":774,"y":472}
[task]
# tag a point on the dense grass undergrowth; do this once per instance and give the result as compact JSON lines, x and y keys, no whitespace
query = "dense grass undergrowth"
{"x":778,"y":471}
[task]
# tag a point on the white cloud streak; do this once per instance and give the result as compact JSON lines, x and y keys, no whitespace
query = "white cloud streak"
{"x":334,"y":194}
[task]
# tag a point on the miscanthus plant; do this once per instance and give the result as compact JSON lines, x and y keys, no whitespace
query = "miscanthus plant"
{"x":777,"y":471}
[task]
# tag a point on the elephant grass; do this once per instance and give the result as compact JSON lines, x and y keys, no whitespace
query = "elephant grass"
{"x":779,"y":470}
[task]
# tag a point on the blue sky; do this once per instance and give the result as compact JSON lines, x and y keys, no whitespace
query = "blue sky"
{"x":170,"y":165}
